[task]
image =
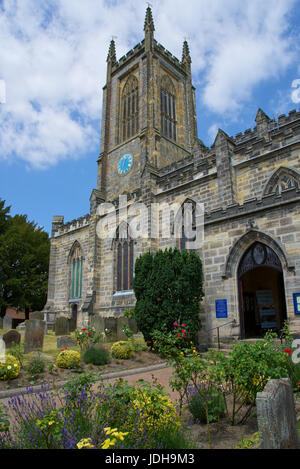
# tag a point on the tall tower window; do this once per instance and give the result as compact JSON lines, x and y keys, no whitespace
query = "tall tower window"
{"x":124,"y":253}
{"x":76,"y":272}
{"x":168,"y":108}
{"x":130,"y":108}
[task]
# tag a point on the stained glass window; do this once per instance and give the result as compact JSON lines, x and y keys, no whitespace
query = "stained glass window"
{"x":286,"y":181}
{"x":124,"y":252}
{"x":76,"y":273}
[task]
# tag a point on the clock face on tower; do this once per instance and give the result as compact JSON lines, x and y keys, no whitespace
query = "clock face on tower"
{"x":125,"y":164}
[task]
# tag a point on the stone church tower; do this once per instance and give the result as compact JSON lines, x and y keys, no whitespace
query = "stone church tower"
{"x":150,"y":153}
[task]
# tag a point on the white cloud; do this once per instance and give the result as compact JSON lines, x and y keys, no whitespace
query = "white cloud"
{"x":53,"y":61}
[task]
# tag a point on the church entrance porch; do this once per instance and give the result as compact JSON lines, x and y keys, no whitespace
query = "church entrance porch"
{"x":261,"y":291}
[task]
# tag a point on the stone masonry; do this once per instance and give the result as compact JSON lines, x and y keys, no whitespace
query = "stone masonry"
{"x":240,"y":180}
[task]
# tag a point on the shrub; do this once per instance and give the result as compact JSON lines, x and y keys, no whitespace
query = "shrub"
{"x":168,"y":288}
{"x":68,"y":359}
{"x":215,"y":405}
{"x":18,"y":352}
{"x":139,"y":344}
{"x":249,"y":443}
{"x":10,"y":369}
{"x":122,"y":350}
{"x":36,"y":367}
{"x":157,"y":409}
{"x":85,"y":337}
{"x":97,"y":356}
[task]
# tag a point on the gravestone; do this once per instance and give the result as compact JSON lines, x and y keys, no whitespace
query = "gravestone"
{"x":1,"y":323}
{"x":276,"y":416}
{"x":111,"y":325}
{"x":72,"y":324}
{"x":133,"y":326}
{"x":37,"y":315}
{"x":7,"y":322}
{"x":11,"y":338}
{"x":2,"y":350}
{"x":34,"y":335}
{"x":61,"y":326}
{"x":65,"y":341}
{"x":98,"y":323}
{"x":120,"y":323}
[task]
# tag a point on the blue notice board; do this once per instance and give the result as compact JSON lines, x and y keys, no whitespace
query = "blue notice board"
{"x":221,"y":309}
{"x":296,"y":297}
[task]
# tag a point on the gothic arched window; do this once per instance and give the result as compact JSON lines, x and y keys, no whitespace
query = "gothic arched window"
{"x":130,"y":108}
{"x":124,"y":254}
{"x":281,"y":180}
{"x":168,"y":108}
{"x":76,"y":263}
{"x":286,"y":181}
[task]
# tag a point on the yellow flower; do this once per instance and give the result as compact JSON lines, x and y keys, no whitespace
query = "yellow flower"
{"x":51,"y":422}
{"x":85,"y":443}
{"x":9,"y":367}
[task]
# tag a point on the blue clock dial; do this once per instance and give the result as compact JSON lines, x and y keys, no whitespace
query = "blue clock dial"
{"x":125,"y":164}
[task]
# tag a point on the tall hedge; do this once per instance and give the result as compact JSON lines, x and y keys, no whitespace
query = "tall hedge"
{"x":168,"y":286}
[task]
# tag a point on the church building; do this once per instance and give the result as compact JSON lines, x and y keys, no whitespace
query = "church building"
{"x":150,"y":153}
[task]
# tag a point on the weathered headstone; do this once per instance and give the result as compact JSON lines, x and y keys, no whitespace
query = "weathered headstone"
{"x":36,"y":315}
{"x":11,"y":338}
{"x":98,"y":323}
{"x":61,"y":326}
{"x":120,"y":323}
{"x":111,"y":325}
{"x":276,"y":416}
{"x":132,"y":324}
{"x":65,"y":341}
{"x":7,"y":322}
{"x":34,"y":335}
{"x":72,"y":324}
{"x":1,"y":323}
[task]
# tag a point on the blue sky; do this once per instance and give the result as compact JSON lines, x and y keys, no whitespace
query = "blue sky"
{"x":245,"y":55}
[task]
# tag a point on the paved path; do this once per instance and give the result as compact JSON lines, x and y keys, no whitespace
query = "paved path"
{"x":162,"y":376}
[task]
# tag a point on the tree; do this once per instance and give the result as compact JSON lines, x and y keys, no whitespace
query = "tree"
{"x":168,"y":289}
{"x":4,"y":217}
{"x":24,"y":261}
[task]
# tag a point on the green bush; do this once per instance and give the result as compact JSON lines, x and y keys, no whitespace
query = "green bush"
{"x":215,"y":405}
{"x":97,"y":356}
{"x":68,"y":359}
{"x":122,"y":350}
{"x":139,"y":344}
{"x":35,"y":367}
{"x":168,"y":289}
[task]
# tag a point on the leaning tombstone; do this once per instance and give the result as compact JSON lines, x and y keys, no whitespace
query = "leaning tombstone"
{"x":34,"y":335}
{"x":11,"y":338}
{"x":276,"y":416}
{"x":61,"y":326}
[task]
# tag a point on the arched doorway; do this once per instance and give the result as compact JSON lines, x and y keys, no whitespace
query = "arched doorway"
{"x":261,"y":291}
